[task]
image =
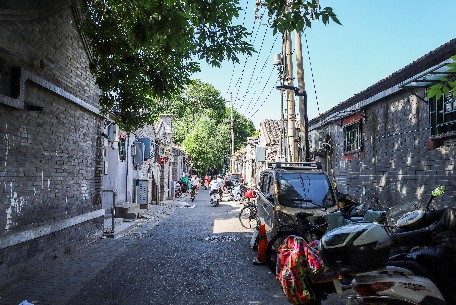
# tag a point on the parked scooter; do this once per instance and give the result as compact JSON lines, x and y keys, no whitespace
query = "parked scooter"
{"x":413,"y":266}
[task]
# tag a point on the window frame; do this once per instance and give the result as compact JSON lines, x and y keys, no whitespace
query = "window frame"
{"x":359,"y":142}
{"x":442,"y":121}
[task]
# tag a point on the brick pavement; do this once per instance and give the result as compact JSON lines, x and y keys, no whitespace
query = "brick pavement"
{"x":66,"y":276}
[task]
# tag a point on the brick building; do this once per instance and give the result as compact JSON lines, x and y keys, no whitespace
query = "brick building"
{"x":390,"y":141}
{"x":50,"y":148}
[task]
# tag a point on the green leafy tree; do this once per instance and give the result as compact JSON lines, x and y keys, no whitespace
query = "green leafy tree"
{"x":202,"y":125}
{"x":446,"y":85}
{"x":197,"y":99}
{"x":243,"y":128}
{"x":207,"y":143}
{"x":292,"y":15}
{"x":144,"y":51}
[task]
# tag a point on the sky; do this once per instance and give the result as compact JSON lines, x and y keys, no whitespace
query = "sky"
{"x":376,"y":39}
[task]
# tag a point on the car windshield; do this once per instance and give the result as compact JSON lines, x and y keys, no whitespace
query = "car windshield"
{"x":304,"y":190}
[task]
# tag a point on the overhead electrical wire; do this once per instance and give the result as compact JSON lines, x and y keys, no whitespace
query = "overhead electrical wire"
{"x":241,"y":77}
{"x":254,"y":68}
{"x":264,"y":87}
{"x":260,"y":74}
{"x":311,"y":72}
{"x":254,"y":39}
{"x":253,"y":114}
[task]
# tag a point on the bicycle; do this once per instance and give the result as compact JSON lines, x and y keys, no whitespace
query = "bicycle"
{"x":248,"y":216}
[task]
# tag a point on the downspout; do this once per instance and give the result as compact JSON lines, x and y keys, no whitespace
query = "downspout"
{"x":128,"y":165}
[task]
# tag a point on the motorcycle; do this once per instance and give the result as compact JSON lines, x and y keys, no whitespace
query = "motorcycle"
{"x":215,"y":197}
{"x":237,"y":192}
{"x":193,"y":193}
{"x":178,"y":190}
{"x":403,"y":267}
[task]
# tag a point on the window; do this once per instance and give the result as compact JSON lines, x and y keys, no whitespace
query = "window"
{"x":265,"y":185}
{"x":305,"y":190}
{"x":353,"y":137}
{"x":271,"y":185}
{"x":442,"y":113}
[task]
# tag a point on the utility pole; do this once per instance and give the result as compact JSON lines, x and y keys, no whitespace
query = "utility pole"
{"x":232,"y":136}
{"x":303,"y":120}
{"x":232,"y":169}
{"x":290,"y":101}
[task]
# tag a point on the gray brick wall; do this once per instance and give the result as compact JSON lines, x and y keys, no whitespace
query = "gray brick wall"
{"x":397,"y":166}
{"x":50,"y":155}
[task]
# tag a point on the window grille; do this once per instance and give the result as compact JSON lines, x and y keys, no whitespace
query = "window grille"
{"x":353,"y":137}
{"x":442,"y":114}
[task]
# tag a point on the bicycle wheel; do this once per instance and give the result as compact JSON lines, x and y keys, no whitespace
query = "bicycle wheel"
{"x":248,"y":217}
{"x":273,"y":246}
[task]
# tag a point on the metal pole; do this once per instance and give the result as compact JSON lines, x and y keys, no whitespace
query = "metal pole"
{"x":282,"y":128}
{"x":302,"y":99}
{"x":113,"y":210}
{"x":232,"y":136}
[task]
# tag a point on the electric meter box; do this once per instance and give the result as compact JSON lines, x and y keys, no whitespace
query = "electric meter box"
{"x":260,"y":155}
{"x":113,"y":133}
{"x":142,"y":191}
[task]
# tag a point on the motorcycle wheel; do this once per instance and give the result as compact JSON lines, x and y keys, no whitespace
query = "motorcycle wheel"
{"x":273,"y":246}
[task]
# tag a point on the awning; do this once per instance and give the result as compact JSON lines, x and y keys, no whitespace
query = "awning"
{"x":429,"y":77}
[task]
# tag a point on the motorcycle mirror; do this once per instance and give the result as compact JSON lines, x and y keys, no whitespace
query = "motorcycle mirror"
{"x":438,"y":191}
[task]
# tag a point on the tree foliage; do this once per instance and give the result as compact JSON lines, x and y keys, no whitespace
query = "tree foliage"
{"x":446,"y":85}
{"x":145,"y":51}
{"x":208,"y":144}
{"x":202,"y":126}
{"x":243,"y":128}
{"x":293,"y":15}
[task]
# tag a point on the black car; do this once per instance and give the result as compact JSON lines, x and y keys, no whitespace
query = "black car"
{"x":289,"y":188}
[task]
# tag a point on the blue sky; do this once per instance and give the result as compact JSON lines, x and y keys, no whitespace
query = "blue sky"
{"x":376,"y":39}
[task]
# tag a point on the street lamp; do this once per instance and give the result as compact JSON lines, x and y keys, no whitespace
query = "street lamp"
{"x":290,"y":88}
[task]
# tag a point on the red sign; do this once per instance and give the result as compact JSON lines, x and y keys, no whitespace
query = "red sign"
{"x":162,"y":160}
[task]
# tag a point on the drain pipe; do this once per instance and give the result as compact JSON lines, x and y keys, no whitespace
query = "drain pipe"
{"x":113,"y":211}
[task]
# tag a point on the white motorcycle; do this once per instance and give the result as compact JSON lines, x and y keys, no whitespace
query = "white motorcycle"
{"x":364,"y":251}
{"x":215,"y":197}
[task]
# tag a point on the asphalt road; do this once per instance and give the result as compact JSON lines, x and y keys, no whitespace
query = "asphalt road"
{"x":198,"y":255}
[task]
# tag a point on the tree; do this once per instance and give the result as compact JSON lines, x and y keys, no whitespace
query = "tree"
{"x":243,"y":128}
{"x":195,"y":100}
{"x":208,"y":144}
{"x":293,"y":15}
{"x":144,"y":51}
{"x":202,"y":125}
{"x":446,"y":85}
